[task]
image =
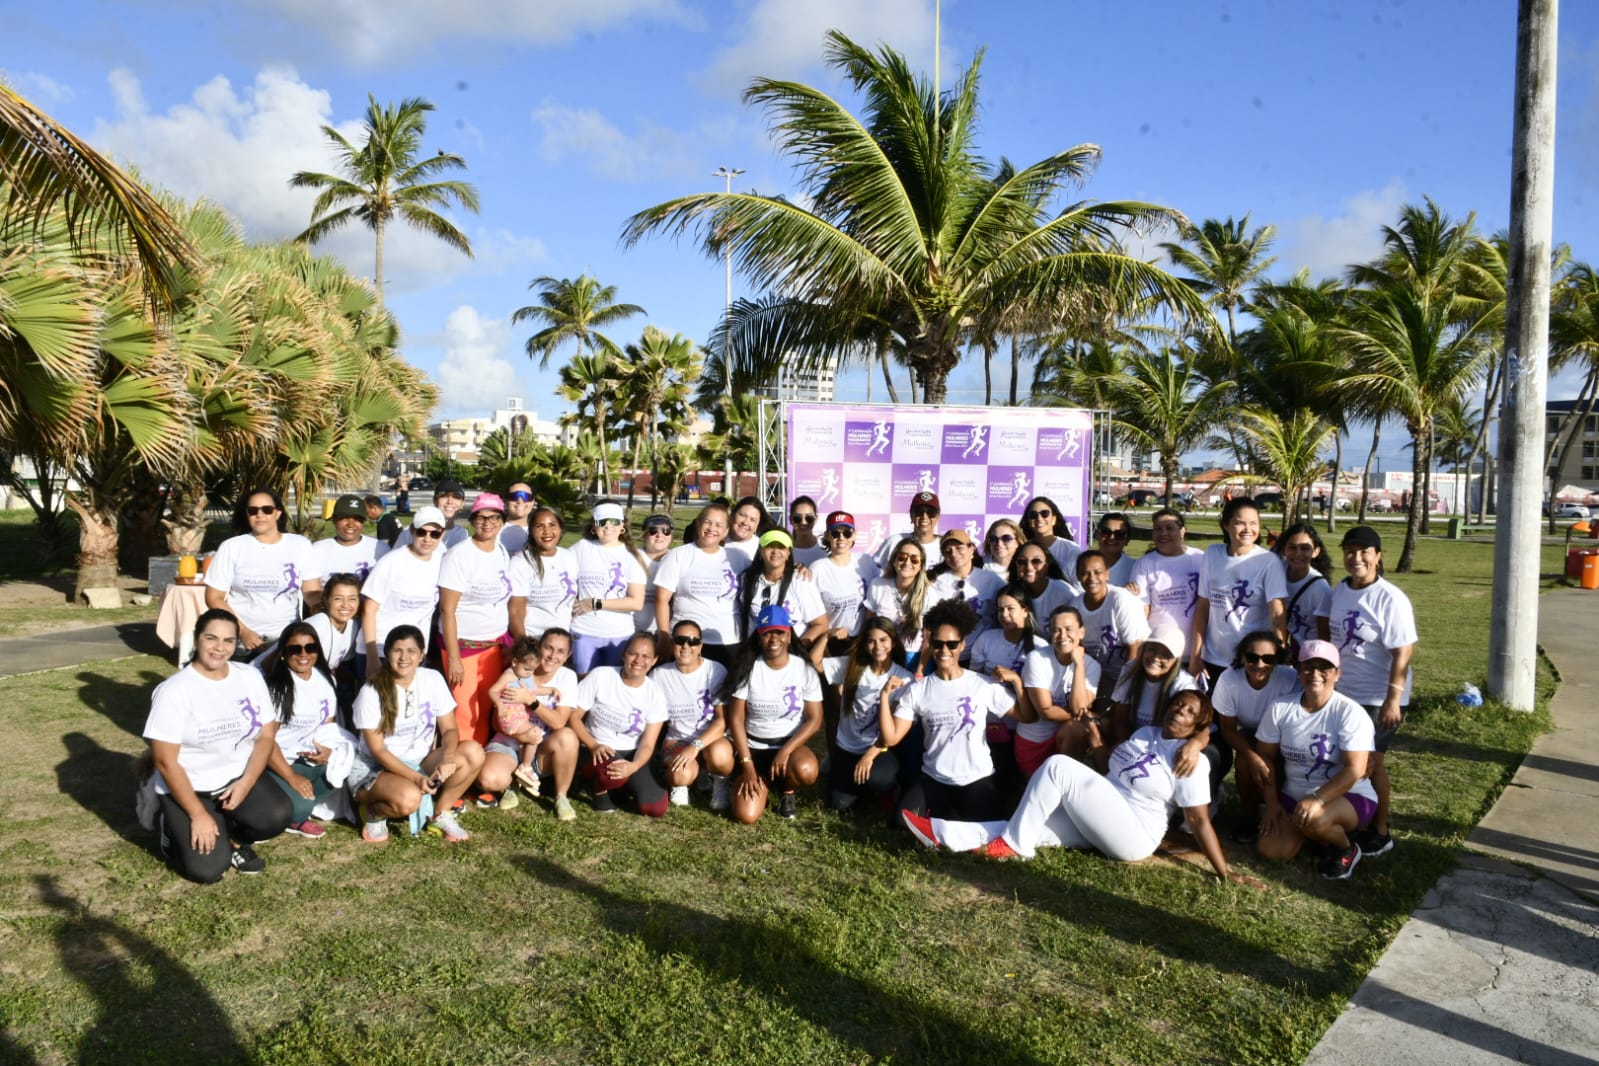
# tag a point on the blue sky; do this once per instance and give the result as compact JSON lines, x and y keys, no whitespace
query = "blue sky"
{"x":1321,"y":117}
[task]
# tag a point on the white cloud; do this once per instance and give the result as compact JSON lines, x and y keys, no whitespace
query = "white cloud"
{"x":1329,"y":244}
{"x":650,"y":152}
{"x":783,"y":38}
{"x":373,"y":32}
{"x":43,"y":90}
{"x":474,"y":374}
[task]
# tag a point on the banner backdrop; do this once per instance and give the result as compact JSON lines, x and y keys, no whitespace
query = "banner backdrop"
{"x":983,"y":462}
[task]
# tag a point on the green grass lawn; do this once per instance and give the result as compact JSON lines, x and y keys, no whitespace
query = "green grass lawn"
{"x":690,"y":940}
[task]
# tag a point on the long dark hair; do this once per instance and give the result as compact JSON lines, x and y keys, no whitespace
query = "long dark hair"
{"x":766,"y":525}
{"x":860,"y":660}
{"x":1060,"y":529}
{"x":534,"y":557}
{"x":385,"y":680}
{"x":1018,"y":592}
{"x":1321,"y":564}
{"x":1138,"y":680}
{"x":280,"y":679}
{"x":746,"y":588}
{"x":241,"y":521}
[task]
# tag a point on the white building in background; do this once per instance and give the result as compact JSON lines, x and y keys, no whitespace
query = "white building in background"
{"x":462,"y":438}
{"x":807,"y":385}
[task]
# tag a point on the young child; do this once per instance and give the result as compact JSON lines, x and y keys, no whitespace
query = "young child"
{"x":531,"y":681}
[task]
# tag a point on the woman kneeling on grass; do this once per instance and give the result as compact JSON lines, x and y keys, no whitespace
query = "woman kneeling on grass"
{"x":211,"y":734}
{"x":410,"y":751}
{"x":1122,"y":815}
{"x":861,"y":762}
{"x":775,"y":708}
{"x":304,"y":698}
{"x":617,"y":713}
{"x":1325,"y":739}
{"x":696,"y":724}
{"x":531,"y":701}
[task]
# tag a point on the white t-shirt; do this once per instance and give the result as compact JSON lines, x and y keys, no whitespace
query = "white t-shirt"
{"x":1368,"y":625}
{"x":452,"y":536}
{"x":416,"y":720}
{"x":565,"y":685}
{"x":774,"y":700}
{"x":978,"y":588}
{"x":1044,"y":670}
{"x":954,"y":716}
{"x":1065,"y":553}
{"x":1169,"y":586}
{"x":691,"y":699}
{"x":358,"y":558}
{"x":1113,"y":627}
{"x":704,"y":588}
{"x":1233,"y":698}
{"x":741,"y":552}
{"x":860,"y":728}
{"x":616,"y":714}
{"x":484,"y":582}
{"x":1149,"y":707}
{"x":214,"y":723}
{"x":263,"y":580}
{"x":406,"y":589}
{"x":884,"y":600}
{"x":549,"y":596}
{"x":802,"y":601}
{"x":604,"y":573}
{"x":1143,"y":769}
{"x":1311,"y":602}
{"x":810,"y":556}
{"x":337,"y":646}
{"x":1121,"y":572}
{"x":991,"y":649}
{"x":513,"y":538}
{"x":1240,"y":589}
{"x":314,"y":706}
{"x":843,"y":589}
{"x":1311,"y":744}
{"x":1056,"y":594}
{"x":644,"y":617}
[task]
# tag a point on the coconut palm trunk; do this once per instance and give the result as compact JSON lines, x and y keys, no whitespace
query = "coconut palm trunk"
{"x":1365,"y":471}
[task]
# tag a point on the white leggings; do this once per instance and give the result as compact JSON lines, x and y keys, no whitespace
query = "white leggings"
{"x":1066,"y":805}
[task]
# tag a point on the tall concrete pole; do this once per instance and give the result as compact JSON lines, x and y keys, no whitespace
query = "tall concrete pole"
{"x":1513,"y":636}
{"x":727,"y":349}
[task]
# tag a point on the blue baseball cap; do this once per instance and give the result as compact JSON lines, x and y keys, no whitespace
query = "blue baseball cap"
{"x":773,"y":616}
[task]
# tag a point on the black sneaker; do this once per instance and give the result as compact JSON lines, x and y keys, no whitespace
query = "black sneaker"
{"x":1246,"y":830}
{"x":246,"y":861}
{"x":787,"y":806}
{"x":1338,"y":865}
{"x":1373,"y":843}
{"x":604,"y":804}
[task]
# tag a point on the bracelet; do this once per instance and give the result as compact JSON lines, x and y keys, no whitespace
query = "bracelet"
{"x":697,"y":745}
{"x":881,"y":749}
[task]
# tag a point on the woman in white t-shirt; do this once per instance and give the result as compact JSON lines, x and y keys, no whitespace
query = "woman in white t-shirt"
{"x":1167,"y":576}
{"x":774,"y":707}
{"x":1122,"y":814}
{"x":1046,"y":527}
{"x":903,"y":595}
{"x":617,"y":714}
{"x":699,"y":582}
{"x":999,"y":546}
{"x":953,"y":706}
{"x":211,"y":734}
{"x":1241,"y":589}
{"x":747,"y":521}
{"x":1147,"y":685}
{"x":959,"y":577}
{"x":411,"y":759}
{"x":860,"y":761}
{"x":537,"y":685}
{"x":610,"y":587}
{"x":338,"y":631}
{"x":1306,"y":585}
{"x":696,"y":723}
{"x":403,"y":588}
{"x":658,"y":530}
{"x":1324,"y":739}
{"x":1036,"y":571}
{"x":1060,"y":683}
{"x":475,"y":590}
{"x":1256,"y":680}
{"x":1114,"y":622}
{"x":842,"y":577}
{"x":265,"y":577}
{"x":543,"y":579}
{"x":775,"y":578}
{"x":304,"y":699}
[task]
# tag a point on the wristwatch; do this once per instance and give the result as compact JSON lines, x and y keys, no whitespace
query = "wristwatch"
{"x":697,"y":745}
{"x":597,"y":602}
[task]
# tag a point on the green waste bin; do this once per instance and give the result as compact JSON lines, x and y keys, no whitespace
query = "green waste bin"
{"x":1457,"y":528}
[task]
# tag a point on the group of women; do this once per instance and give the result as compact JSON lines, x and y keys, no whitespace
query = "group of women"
{"x":942,"y":681}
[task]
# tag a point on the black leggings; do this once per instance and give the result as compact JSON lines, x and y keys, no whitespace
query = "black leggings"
{"x":842,"y":791}
{"x":262,"y":815}
{"x":979,"y":801}
{"x":642,"y":783}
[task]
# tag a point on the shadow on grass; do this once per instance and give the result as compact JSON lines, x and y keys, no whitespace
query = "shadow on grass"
{"x":1453,"y":749}
{"x":102,"y":782}
{"x":123,"y":704}
{"x":150,"y":1008}
{"x":770,"y":960}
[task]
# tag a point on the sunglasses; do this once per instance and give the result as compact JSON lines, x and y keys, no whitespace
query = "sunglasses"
{"x":300,"y":649}
{"x":1313,"y":668}
{"x":1113,"y":534}
{"x":687,"y":642}
{"x":519,"y":496}
{"x":1036,"y":515}
{"x":907,"y":559}
{"x":923,"y":512}
{"x":1030,"y":563}
{"x":265,"y":508}
{"x":845,"y":533}
{"x":802,"y":519}
{"x":1256,"y":660}
{"x":658,"y":530}
{"x":943,"y":645}
{"x":426,"y":534}
{"x":603,"y":522}
{"x":1002,"y":538}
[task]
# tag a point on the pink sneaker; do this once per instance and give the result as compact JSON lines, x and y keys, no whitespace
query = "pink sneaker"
{"x":921,"y":828}
{"x":308,"y":829}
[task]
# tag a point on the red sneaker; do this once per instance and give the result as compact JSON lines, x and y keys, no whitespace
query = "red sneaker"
{"x":921,"y":828}
{"x":997,"y":849}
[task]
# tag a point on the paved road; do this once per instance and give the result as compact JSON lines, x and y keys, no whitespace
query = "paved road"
{"x":73,"y":647}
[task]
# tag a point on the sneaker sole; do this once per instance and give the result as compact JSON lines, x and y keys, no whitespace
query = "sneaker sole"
{"x":384,"y":839}
{"x":1387,"y":846}
{"x":292,"y":831}
{"x":1346,"y":873}
{"x":927,"y":840}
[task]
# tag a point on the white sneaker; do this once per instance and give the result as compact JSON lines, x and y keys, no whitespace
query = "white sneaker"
{"x":680,"y":795}
{"x":720,"y":800}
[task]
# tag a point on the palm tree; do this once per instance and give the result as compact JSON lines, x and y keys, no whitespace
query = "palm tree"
{"x":1287,"y":449}
{"x":573,"y":310}
{"x":590,"y":381}
{"x":655,"y":379}
{"x":1167,"y":405}
{"x":906,"y":224}
{"x":1224,"y":260}
{"x":384,"y":178}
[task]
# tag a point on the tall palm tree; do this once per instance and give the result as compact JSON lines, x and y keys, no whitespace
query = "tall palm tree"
{"x":1164,"y":403}
{"x":1287,"y":449}
{"x":590,"y":381}
{"x":383,"y":178}
{"x":573,"y":310}
{"x":906,"y":223}
{"x":656,"y":376}
{"x":1223,"y":260}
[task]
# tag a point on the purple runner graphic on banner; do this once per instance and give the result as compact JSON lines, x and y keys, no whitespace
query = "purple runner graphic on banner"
{"x":984,"y":463}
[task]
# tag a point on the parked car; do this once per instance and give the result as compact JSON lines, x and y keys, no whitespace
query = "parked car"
{"x":1269,"y":501}
{"x":1572,"y":510}
{"x":1139,"y":498}
{"x":1103,"y":499}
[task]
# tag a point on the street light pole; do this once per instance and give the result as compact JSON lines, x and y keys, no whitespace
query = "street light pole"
{"x":728,"y":174}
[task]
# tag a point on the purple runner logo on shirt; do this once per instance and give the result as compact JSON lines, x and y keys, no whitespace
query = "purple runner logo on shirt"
{"x":361,"y":570}
{"x":1019,"y":660}
{"x":326,"y":712}
{"x":1139,"y":769}
{"x":1322,"y":747}
{"x":252,"y":720}
{"x":730,"y":584}
{"x":428,"y":717}
{"x":291,"y":582}
{"x":791,"y":701}
{"x":968,"y":714}
{"x":505,"y":582}
{"x":617,"y":585}
{"x":635,"y":722}
{"x":1193,"y":595}
{"x":1239,"y":606}
{"x":568,"y":590}
{"x":1352,"y":638}
{"x":707,"y":707}
{"x":1109,"y":645}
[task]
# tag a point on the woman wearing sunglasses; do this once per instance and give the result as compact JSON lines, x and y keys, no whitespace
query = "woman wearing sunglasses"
{"x":264,"y":576}
{"x":999,"y":546}
{"x":403,"y":588}
{"x":304,"y":699}
{"x":658,"y":530}
{"x":519,"y":504}
{"x":695,"y":722}
{"x":610,"y":587}
{"x":1046,"y":527}
{"x":959,"y":577}
{"x":842,"y":577}
{"x":802,"y":518}
{"x":903,"y":595}
{"x":1256,"y":680}
{"x":474,"y":615}
{"x":1035,"y":570}
{"x":1112,"y":534}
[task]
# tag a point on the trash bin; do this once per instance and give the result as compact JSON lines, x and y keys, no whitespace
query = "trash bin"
{"x":1590,"y":569}
{"x":1457,"y":528}
{"x":1574,"y":562}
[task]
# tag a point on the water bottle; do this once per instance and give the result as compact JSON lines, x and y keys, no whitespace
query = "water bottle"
{"x":1470,"y":696}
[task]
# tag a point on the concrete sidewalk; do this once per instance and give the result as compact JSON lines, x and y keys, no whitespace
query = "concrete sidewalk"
{"x":1501,"y":963}
{"x":73,"y":647}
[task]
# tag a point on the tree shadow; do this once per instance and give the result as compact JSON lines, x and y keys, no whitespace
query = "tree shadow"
{"x":103,"y":783}
{"x":772,"y":961}
{"x":1564,"y":767}
{"x":126,"y":705}
{"x":150,"y":1008}
{"x":1473,"y":1034}
{"x":1453,"y":749}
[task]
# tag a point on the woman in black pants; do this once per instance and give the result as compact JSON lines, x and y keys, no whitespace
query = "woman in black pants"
{"x":211,"y":731}
{"x":861,"y":761}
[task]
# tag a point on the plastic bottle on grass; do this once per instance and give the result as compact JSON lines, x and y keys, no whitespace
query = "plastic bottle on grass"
{"x":1470,"y":696}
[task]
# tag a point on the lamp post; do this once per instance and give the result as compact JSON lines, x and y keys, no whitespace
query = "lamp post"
{"x":727,"y":174}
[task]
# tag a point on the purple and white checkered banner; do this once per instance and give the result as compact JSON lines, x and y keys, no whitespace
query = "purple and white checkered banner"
{"x":983,"y":462}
